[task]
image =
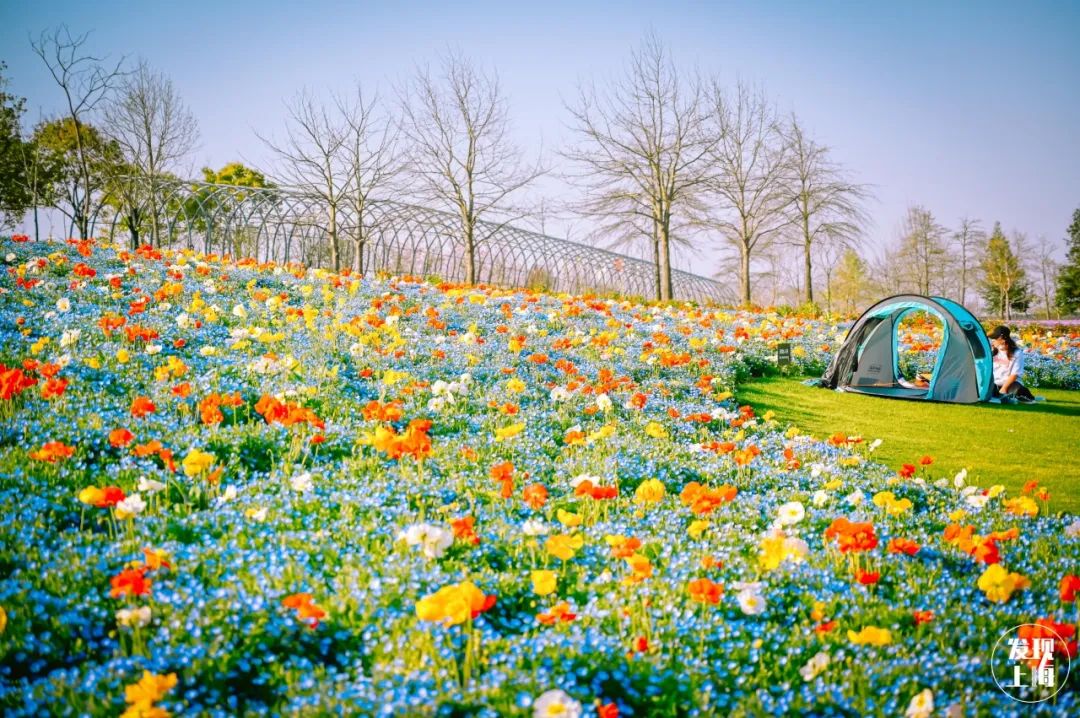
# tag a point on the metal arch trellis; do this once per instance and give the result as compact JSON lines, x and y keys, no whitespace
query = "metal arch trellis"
{"x":289,"y":225}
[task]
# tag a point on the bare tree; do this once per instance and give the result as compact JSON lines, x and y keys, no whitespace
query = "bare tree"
{"x":833,"y":252}
{"x":1047,"y":268}
{"x":312,"y":158}
{"x":967,"y":239}
{"x":371,"y":162}
{"x":460,"y":152}
{"x":86,"y":82}
{"x":751,"y":168}
{"x":153,"y":128}
{"x":922,"y":248}
{"x":823,"y":204}
{"x":643,"y":155}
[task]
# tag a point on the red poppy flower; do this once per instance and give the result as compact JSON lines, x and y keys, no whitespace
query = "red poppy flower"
{"x":608,"y":710}
{"x":867,"y":578}
{"x":1069,"y":587}
{"x":130,"y":582}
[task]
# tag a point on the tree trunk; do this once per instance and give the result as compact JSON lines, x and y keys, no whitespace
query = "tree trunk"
{"x":808,"y":266}
{"x":358,"y":254}
{"x":335,"y":254}
{"x":808,"y":269}
{"x":744,"y":273}
{"x":664,"y":264}
{"x":658,"y":288}
{"x":470,"y":253}
{"x":963,"y":274}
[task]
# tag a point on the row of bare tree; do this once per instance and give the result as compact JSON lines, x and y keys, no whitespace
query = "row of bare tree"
{"x":662,"y":157}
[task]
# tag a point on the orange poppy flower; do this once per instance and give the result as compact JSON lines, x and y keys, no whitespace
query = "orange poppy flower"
{"x":53,"y":388}
{"x":559,"y":612}
{"x":852,"y":536}
{"x":902,"y":545}
{"x":141,"y":406}
{"x":503,"y":474}
{"x":464,"y":529}
{"x":120,"y":437}
{"x":535,"y":495}
{"x":703,"y":500}
{"x":52,"y":451}
{"x":703,"y":590}
{"x":305,"y":608}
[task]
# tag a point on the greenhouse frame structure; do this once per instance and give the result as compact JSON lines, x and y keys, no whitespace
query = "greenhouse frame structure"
{"x":276,"y":224}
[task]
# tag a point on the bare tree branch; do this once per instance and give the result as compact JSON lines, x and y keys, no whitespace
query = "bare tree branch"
{"x":822,"y":203}
{"x":752,"y":165}
{"x":460,"y":153}
{"x":86,"y":82}
{"x":642,"y":156}
{"x":154,"y":130}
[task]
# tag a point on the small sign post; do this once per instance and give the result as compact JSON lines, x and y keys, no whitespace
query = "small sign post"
{"x":783,"y":354}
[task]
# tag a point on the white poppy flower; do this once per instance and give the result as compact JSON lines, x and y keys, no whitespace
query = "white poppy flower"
{"x":815,"y":666}
{"x":135,"y":617}
{"x":556,"y":704}
{"x":791,"y":513}
{"x":921,"y":706}
{"x":150,"y":486}
{"x":302,"y":482}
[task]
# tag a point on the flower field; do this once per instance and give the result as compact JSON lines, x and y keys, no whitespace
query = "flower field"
{"x":231,"y":488}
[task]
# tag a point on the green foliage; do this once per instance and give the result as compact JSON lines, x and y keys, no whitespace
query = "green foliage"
{"x":14,"y":198}
{"x":850,"y":283}
{"x":57,"y":142}
{"x":1005,"y":286}
{"x":206,"y":204}
{"x":1068,"y":285}
{"x":236,"y":173}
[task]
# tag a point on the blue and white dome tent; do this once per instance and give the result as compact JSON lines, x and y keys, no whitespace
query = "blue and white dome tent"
{"x":868,"y":361}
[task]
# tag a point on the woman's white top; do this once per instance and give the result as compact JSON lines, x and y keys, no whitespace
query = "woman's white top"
{"x":1004,"y":367}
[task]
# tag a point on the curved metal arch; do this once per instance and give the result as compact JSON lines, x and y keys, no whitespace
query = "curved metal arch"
{"x":285,"y":224}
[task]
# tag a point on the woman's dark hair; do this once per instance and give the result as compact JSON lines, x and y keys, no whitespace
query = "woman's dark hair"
{"x":1002,"y":332}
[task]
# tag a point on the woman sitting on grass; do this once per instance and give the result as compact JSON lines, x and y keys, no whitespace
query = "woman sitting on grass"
{"x":1008,"y":366}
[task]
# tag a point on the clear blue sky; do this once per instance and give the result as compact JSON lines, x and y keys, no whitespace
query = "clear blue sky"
{"x":969,"y":108}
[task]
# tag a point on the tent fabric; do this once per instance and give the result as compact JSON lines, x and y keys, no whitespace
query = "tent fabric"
{"x":868,"y":360}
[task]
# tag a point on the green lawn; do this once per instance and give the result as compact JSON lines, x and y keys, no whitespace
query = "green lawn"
{"x":998,"y":444}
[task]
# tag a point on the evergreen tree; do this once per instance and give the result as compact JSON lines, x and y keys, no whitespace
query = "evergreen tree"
{"x":1068,"y":284}
{"x":1004,"y":285}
